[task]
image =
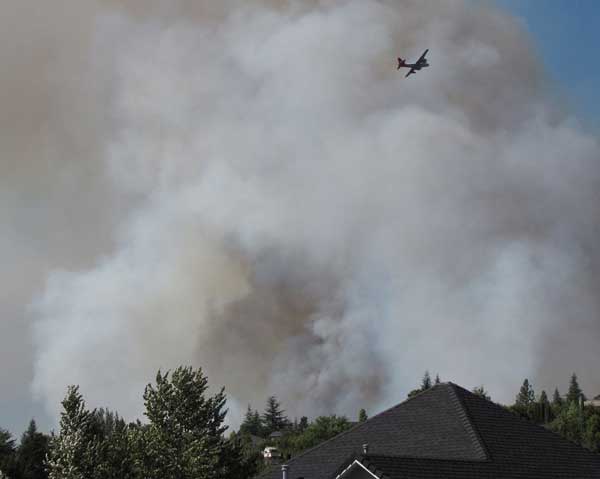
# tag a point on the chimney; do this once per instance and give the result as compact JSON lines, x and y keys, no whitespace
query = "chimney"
{"x":365,"y":449}
{"x":284,"y":471}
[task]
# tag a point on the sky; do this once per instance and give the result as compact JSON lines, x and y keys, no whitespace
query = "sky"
{"x":176,"y":187}
{"x":567,"y":36}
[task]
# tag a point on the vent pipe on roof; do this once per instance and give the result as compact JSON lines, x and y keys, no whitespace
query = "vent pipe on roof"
{"x":365,"y":449}
{"x":284,"y":471}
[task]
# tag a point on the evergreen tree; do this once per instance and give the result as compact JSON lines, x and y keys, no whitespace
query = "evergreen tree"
{"x":362,"y":415}
{"x":274,"y":418}
{"x":481,"y":392}
{"x":426,"y":381}
{"x":303,"y":424}
{"x":252,"y":423}
{"x":31,"y":454}
{"x":557,"y":400}
{"x":526,"y":396}
{"x":184,"y":438}
{"x":437,"y":379}
{"x":7,"y":453}
{"x":574,"y":394}
{"x":544,"y":409}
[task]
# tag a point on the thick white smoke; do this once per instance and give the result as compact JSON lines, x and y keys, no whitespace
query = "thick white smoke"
{"x":301,"y":220}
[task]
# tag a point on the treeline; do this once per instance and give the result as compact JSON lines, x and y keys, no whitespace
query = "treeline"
{"x":183,"y":438}
{"x":567,"y":415}
{"x":273,"y":428}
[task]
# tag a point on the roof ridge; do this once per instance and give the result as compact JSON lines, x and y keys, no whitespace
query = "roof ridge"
{"x":361,"y":424}
{"x":469,"y":425}
{"x":529,"y":423}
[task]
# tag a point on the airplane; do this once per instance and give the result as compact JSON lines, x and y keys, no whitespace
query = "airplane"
{"x":414,"y":67}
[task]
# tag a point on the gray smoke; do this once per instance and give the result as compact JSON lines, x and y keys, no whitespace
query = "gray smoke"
{"x":251,"y":187}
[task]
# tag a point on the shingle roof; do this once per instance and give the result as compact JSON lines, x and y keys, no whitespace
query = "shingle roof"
{"x":448,"y":432}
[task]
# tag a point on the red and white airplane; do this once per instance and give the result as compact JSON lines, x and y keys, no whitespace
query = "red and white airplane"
{"x":414,"y":67}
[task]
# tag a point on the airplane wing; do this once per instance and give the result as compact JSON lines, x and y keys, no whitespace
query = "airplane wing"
{"x":411,"y":72}
{"x":420,"y":60}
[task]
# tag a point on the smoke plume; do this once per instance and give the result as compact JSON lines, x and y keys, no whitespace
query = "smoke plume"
{"x":251,"y":187}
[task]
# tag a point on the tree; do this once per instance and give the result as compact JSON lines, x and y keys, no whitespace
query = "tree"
{"x":426,"y":381}
{"x":31,"y":454}
{"x":184,"y":438}
{"x":362,"y":415}
{"x":569,"y":423}
{"x":481,"y":392}
{"x":7,"y":453}
{"x":437,"y":379}
{"x":274,"y":418}
{"x":557,"y":400}
{"x":591,"y":435}
{"x":544,"y":408}
{"x":303,"y":424}
{"x":72,"y":452}
{"x":526,"y":396}
{"x":323,"y":428}
{"x":252,"y":423}
{"x":574,"y":394}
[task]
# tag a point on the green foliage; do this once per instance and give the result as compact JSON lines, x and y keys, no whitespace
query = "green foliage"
{"x":184,"y":438}
{"x":569,"y":423}
{"x":252,"y":423}
{"x":274,"y":418}
{"x":574,"y":395}
{"x":526,"y":396}
{"x":591,"y":434}
{"x":31,"y":455}
{"x":557,"y":400}
{"x":7,"y":453}
{"x":481,"y":392}
{"x":426,"y":381}
{"x":321,"y":429}
{"x":362,"y":415}
{"x":437,"y":380}
{"x":72,"y":452}
{"x":425,"y":384}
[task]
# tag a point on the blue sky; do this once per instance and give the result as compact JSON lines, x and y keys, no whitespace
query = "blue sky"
{"x":567,"y":35}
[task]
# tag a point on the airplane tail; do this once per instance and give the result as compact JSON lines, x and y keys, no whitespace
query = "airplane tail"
{"x":401,"y":63}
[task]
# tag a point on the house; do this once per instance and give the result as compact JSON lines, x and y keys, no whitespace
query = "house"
{"x":271,"y":453}
{"x":445,"y":432}
{"x":594,"y":402}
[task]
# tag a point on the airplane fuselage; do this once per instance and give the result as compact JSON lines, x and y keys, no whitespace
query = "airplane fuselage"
{"x":416,"y":66}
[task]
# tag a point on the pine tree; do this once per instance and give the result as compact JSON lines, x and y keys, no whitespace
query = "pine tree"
{"x":574,"y":394}
{"x":544,"y":408}
{"x":437,"y":379}
{"x":31,"y":455}
{"x":252,"y":423}
{"x":7,"y":453}
{"x":303,"y":424}
{"x":426,"y":381}
{"x":274,"y":418}
{"x":526,"y":396}
{"x":557,"y":398}
{"x":362,"y":415}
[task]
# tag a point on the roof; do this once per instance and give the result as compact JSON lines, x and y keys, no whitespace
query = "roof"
{"x":448,"y":432}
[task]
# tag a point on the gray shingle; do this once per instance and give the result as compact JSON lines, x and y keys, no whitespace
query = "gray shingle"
{"x":448,"y":432}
